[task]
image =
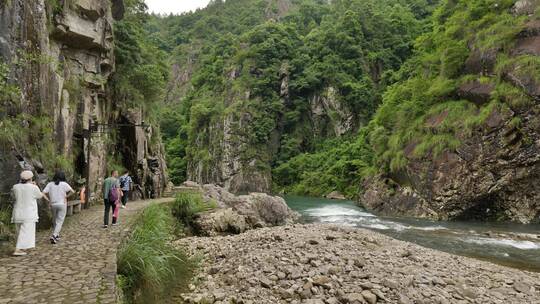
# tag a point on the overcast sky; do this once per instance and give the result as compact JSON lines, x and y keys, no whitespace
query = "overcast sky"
{"x":175,"y":6}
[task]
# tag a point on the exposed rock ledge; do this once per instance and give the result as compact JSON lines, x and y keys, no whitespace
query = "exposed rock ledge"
{"x":236,"y":214}
{"x":320,"y":264}
{"x":335,"y":195}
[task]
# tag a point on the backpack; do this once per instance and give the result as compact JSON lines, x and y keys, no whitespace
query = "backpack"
{"x":122,"y":182}
{"x":113,"y":194}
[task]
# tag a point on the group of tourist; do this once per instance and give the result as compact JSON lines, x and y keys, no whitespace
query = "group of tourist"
{"x":56,"y":193}
{"x":115,"y":191}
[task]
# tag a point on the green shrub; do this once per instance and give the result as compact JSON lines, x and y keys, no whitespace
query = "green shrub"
{"x":515,"y":97}
{"x":55,"y":5}
{"x":6,"y":228}
{"x":516,"y":122}
{"x":9,"y":92}
{"x":188,"y":204}
{"x":336,"y":166}
{"x":148,"y":265}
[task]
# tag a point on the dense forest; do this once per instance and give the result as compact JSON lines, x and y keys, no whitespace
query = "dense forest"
{"x":310,"y":97}
{"x":285,"y":54}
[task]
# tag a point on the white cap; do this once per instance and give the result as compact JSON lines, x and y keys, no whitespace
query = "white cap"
{"x":27,"y":175}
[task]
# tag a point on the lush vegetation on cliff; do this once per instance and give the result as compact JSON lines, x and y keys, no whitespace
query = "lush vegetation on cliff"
{"x":261,"y":63}
{"x":326,"y":95}
{"x":138,"y":84}
{"x":423,"y":114}
{"x":27,"y":129}
{"x":141,"y":69}
{"x":425,"y":111}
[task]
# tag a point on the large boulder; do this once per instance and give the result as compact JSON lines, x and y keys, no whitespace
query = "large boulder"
{"x":236,"y":214}
{"x":525,"y":7}
{"x":335,"y":195}
{"x":221,"y":221}
{"x":476,"y":92}
{"x":265,"y":210}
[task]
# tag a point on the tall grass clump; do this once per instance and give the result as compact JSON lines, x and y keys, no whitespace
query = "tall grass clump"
{"x":148,"y":265}
{"x":188,"y":204}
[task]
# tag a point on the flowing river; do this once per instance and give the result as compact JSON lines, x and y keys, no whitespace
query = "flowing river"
{"x":507,"y":244}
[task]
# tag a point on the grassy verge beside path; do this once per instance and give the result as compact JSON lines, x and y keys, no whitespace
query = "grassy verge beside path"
{"x":186,"y":207}
{"x":148,"y":265}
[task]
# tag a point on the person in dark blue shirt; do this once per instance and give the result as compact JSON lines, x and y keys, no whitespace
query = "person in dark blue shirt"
{"x":126,"y":184}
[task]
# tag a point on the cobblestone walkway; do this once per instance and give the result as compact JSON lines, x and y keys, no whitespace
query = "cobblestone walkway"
{"x":80,"y":269}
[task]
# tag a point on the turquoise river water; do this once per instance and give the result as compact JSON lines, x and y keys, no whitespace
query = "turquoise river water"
{"x":495,"y":242}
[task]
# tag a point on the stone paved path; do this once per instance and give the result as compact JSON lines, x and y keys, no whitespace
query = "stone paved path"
{"x":80,"y":269}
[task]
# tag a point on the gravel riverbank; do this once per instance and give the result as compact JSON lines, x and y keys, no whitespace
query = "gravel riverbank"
{"x":320,"y":264}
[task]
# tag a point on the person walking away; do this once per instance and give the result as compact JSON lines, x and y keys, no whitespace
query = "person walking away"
{"x":58,"y":191}
{"x":126,"y":184}
{"x":111,"y":189}
{"x":25,"y":212}
{"x":117,"y":204}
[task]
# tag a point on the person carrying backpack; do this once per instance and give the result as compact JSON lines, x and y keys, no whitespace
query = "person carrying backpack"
{"x":111,"y":194}
{"x":126,"y":185}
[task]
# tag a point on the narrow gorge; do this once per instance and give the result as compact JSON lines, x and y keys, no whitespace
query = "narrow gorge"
{"x":281,"y":151}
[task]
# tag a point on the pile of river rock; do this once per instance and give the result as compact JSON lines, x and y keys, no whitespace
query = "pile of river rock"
{"x":321,"y":264}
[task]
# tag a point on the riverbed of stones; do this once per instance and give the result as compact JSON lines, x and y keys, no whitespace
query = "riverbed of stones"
{"x":322,"y":264}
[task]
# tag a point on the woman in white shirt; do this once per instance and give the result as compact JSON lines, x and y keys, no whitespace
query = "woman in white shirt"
{"x":58,"y":191}
{"x":25,"y":212}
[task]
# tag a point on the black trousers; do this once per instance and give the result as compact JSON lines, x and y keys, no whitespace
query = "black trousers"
{"x":108,"y":206}
{"x":125,"y":197}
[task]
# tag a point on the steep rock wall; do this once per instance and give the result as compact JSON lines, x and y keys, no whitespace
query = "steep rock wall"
{"x":329,"y":117}
{"x":495,"y":173}
{"x":493,"y":176}
{"x":61,"y":55}
{"x":228,"y":158}
{"x":234,"y":161}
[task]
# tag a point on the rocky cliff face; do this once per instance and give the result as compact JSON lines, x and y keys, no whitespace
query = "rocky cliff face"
{"x":234,"y":161}
{"x":494,"y":174}
{"x":230,"y":159}
{"x":60,"y":55}
{"x":329,"y":117}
